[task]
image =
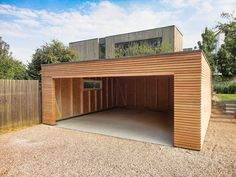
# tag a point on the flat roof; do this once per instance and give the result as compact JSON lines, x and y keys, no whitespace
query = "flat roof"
{"x":129,"y":33}
{"x":126,"y":58}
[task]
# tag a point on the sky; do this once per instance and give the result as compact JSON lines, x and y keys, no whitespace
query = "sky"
{"x":28,"y":24}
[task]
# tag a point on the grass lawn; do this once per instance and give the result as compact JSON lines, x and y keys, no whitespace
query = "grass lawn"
{"x":227,"y":97}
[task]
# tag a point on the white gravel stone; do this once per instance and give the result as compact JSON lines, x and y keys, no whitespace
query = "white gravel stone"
{"x":53,"y":151}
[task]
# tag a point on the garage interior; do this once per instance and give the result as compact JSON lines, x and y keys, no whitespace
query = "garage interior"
{"x":138,"y":108}
{"x":177,"y":84}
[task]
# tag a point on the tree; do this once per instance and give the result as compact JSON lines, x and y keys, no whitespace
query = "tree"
{"x":208,"y":45}
{"x":226,"y":57}
{"x":224,"y":62}
{"x":4,"y":48}
{"x":10,"y":68}
{"x":136,"y":49}
{"x":53,"y":52}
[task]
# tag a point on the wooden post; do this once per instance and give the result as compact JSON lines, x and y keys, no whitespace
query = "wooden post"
{"x":48,"y":101}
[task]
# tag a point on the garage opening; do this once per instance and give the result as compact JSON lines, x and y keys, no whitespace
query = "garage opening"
{"x":138,"y":108}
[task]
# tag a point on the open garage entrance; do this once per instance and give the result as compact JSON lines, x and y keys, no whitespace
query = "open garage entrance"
{"x":139,"y":108}
{"x":176,"y":84}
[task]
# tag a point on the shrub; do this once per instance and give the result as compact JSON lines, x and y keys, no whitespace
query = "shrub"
{"x":136,"y":49}
{"x":225,"y":87}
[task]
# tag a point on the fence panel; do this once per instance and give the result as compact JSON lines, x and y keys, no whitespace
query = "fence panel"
{"x":19,"y":103}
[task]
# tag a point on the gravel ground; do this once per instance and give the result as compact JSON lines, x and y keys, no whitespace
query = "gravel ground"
{"x":52,"y":151}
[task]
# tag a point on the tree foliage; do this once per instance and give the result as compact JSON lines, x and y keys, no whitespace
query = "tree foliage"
{"x":226,"y":57}
{"x":4,"y":48}
{"x":53,"y":52}
{"x":208,"y":45}
{"x":142,"y":49}
{"x":226,"y":63}
{"x":10,"y":68}
{"x":225,"y":60}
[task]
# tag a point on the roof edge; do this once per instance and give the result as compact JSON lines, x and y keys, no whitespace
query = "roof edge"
{"x":124,"y":58}
{"x":206,"y":58}
{"x":145,"y":30}
{"x":84,"y":40}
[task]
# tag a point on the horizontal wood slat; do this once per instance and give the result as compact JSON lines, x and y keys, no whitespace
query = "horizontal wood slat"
{"x":205,"y":96}
{"x":190,"y":73}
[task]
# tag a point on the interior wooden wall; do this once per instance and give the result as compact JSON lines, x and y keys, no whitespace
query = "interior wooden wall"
{"x":155,"y":93}
{"x":72,"y":99}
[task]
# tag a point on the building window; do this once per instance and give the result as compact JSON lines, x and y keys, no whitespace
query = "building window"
{"x":92,"y":84}
{"x":102,"y":51}
{"x":154,"y":43}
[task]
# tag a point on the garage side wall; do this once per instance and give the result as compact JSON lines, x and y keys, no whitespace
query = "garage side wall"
{"x":72,"y":100}
{"x":205,"y":97}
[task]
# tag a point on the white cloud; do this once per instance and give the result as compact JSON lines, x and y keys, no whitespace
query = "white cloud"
{"x":28,"y":22}
{"x":26,"y":29}
{"x":181,"y":3}
{"x":19,"y":12}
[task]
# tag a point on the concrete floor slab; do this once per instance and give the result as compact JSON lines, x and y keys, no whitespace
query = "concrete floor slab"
{"x":141,"y":125}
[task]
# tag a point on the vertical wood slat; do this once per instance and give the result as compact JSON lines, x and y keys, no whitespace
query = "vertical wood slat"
{"x":72,"y":100}
{"x":107,"y":93}
{"x":81,"y":89}
{"x":145,"y":92}
{"x":19,"y":104}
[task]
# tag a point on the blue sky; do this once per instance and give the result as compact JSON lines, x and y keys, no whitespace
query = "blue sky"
{"x":53,"y":5}
{"x":59,"y":5}
{"x":26,"y":25}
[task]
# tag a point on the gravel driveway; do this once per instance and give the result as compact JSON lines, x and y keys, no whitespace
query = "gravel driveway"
{"x":53,"y":151}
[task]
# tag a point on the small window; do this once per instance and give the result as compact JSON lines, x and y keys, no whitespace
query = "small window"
{"x":102,"y":51}
{"x":92,"y":84}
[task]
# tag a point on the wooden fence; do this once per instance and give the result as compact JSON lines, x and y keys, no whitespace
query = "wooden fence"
{"x":19,"y":103}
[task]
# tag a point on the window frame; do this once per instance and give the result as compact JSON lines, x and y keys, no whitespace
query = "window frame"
{"x":149,"y":41}
{"x":94,"y":82}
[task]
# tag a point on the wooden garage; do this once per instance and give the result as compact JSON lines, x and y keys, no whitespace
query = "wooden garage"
{"x":178,"y":84}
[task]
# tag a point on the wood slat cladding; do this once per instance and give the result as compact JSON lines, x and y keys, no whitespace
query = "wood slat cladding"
{"x":205,"y":97}
{"x":72,"y":99}
{"x":188,"y":69}
{"x":153,"y":92}
{"x":48,"y":101}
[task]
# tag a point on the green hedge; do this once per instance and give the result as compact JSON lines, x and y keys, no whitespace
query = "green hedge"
{"x":225,"y":87}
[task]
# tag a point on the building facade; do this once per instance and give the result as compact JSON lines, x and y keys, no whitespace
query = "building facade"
{"x":102,"y":48}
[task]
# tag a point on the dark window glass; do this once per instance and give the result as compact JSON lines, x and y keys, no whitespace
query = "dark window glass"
{"x":102,"y":51}
{"x":154,"y":42}
{"x":92,"y":84}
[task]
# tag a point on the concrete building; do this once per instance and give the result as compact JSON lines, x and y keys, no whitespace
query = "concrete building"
{"x":102,"y":48}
